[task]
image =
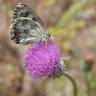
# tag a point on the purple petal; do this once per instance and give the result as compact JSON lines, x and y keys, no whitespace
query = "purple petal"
{"x":43,"y":60}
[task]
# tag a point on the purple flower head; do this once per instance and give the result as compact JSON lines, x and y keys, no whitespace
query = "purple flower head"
{"x":43,"y":60}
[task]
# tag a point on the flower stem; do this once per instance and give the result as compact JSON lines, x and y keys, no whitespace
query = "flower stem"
{"x":75,"y":90}
{"x":87,"y":84}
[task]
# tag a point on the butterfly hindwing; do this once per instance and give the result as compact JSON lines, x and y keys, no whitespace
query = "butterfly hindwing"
{"x":25,"y":31}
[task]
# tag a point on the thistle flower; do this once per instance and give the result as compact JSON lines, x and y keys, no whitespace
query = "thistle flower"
{"x":43,"y":60}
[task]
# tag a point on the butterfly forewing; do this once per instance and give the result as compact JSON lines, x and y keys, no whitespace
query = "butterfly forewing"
{"x":23,"y":10}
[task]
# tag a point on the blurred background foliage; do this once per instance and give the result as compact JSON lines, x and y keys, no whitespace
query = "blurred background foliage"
{"x":73,"y":25}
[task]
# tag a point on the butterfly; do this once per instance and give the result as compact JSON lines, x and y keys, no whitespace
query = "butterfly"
{"x":27,"y":27}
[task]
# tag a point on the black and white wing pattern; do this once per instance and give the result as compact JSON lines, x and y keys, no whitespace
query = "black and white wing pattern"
{"x":27,"y":27}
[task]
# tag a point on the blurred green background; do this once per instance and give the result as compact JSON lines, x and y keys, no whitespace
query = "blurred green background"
{"x":73,"y":25}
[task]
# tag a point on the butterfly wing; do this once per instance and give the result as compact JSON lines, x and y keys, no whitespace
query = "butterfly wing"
{"x":27,"y":27}
{"x":25,"y":31}
{"x":23,"y":10}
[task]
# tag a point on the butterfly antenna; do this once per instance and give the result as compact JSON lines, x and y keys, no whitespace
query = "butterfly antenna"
{"x":57,"y":28}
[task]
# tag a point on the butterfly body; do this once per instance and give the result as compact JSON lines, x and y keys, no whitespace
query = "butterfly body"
{"x":27,"y":27}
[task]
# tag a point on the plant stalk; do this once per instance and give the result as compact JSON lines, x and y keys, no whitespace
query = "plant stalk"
{"x":88,"y":91}
{"x":75,"y":90}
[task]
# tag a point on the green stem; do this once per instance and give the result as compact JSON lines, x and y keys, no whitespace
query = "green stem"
{"x":76,"y":7}
{"x":75,"y":90}
{"x":87,"y":84}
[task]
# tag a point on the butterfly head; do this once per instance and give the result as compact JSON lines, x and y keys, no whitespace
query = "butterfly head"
{"x":46,"y":37}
